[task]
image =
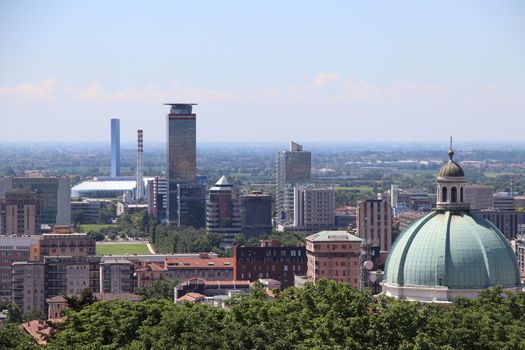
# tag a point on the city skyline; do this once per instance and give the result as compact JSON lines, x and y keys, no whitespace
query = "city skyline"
{"x":399,"y":65}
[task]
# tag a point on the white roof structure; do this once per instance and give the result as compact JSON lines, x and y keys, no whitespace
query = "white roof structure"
{"x":87,"y":188}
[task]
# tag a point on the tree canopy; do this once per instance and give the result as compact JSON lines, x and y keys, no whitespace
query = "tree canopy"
{"x":328,"y":315}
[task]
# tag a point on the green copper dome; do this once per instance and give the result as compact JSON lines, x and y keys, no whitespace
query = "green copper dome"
{"x":458,"y":250}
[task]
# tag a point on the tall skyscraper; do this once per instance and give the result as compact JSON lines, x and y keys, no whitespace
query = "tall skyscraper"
{"x":182,"y":153}
{"x":139,"y":195}
{"x":115,"y":147}
{"x":294,"y":167}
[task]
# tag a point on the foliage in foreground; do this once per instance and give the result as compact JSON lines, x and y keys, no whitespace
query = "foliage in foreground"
{"x":329,"y":315}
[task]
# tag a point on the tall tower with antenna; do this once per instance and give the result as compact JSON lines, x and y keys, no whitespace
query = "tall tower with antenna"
{"x":139,"y":196}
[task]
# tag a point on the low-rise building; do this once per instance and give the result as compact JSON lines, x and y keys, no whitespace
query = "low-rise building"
{"x":212,"y":269}
{"x":148,"y":272}
{"x":129,"y":208}
{"x":86,"y":211}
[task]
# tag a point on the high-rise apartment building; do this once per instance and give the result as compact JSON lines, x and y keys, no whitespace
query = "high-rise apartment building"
{"x":182,"y":154}
{"x":19,"y":213}
{"x":269,"y":260}
{"x":314,"y":208}
{"x":157,"y":198}
{"x":294,"y":167}
{"x":115,"y":147}
{"x":334,"y":255}
{"x":53,"y":195}
{"x":223,"y":213}
{"x":116,"y":276}
{"x":59,"y":263}
{"x":12,"y":249}
{"x":479,"y":196}
{"x":256,"y":213}
{"x":374,"y":224}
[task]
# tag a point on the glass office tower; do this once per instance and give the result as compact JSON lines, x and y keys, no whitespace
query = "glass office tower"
{"x":182,"y":155}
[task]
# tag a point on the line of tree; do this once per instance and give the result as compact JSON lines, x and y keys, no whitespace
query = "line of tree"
{"x":328,"y":315}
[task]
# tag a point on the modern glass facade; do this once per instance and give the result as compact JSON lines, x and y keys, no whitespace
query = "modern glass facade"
{"x":115,"y":147}
{"x":191,"y":205}
{"x":53,"y":196}
{"x":182,"y":155}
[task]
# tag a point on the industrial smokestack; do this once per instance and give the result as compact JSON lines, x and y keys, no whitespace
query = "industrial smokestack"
{"x":140,"y":175}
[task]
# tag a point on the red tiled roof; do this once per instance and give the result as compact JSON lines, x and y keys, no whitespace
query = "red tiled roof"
{"x":191,"y":297}
{"x":192,"y":263}
{"x":40,"y":329}
{"x":151,"y":266}
{"x":197,"y":280}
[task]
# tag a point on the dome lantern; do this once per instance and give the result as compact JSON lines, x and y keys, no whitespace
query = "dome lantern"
{"x":450,"y":185}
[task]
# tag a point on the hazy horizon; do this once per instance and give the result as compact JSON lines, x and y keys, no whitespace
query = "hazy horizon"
{"x":269,"y":71}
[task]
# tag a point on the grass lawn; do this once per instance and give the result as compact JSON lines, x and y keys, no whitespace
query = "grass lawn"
{"x":95,"y":227}
{"x":119,"y":249}
{"x":355,"y":188}
{"x":494,"y":174}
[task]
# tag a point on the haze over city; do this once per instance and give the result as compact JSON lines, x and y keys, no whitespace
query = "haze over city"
{"x":273,"y":71}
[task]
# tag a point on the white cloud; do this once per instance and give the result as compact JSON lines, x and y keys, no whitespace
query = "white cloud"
{"x":323,"y":79}
{"x":41,"y":90}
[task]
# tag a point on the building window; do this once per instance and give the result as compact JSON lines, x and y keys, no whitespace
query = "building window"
{"x":454,"y":194}
{"x":444,"y":194}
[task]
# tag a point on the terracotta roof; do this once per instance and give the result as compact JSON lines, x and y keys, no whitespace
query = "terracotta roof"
{"x":192,"y":263}
{"x":150,"y":266}
{"x":39,"y":329}
{"x":57,"y":299}
{"x":192,"y":297}
{"x":197,"y":280}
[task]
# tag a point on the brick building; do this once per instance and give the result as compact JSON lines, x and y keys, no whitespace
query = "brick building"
{"x":212,"y":269}
{"x":269,"y":260}
{"x":334,"y":255}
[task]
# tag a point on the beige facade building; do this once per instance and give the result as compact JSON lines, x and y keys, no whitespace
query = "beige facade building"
{"x":60,"y":263}
{"x":314,"y":208}
{"x":334,"y":255}
{"x":374,"y":223}
{"x":19,"y":213}
{"x":28,"y":285}
{"x":116,"y":276}
{"x":479,"y":196}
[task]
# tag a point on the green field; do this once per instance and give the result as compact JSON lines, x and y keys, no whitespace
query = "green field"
{"x":355,"y":188}
{"x":494,"y":174}
{"x":119,"y":249}
{"x":95,"y":227}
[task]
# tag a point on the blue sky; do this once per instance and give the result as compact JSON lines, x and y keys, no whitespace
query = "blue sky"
{"x":266,"y":71}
